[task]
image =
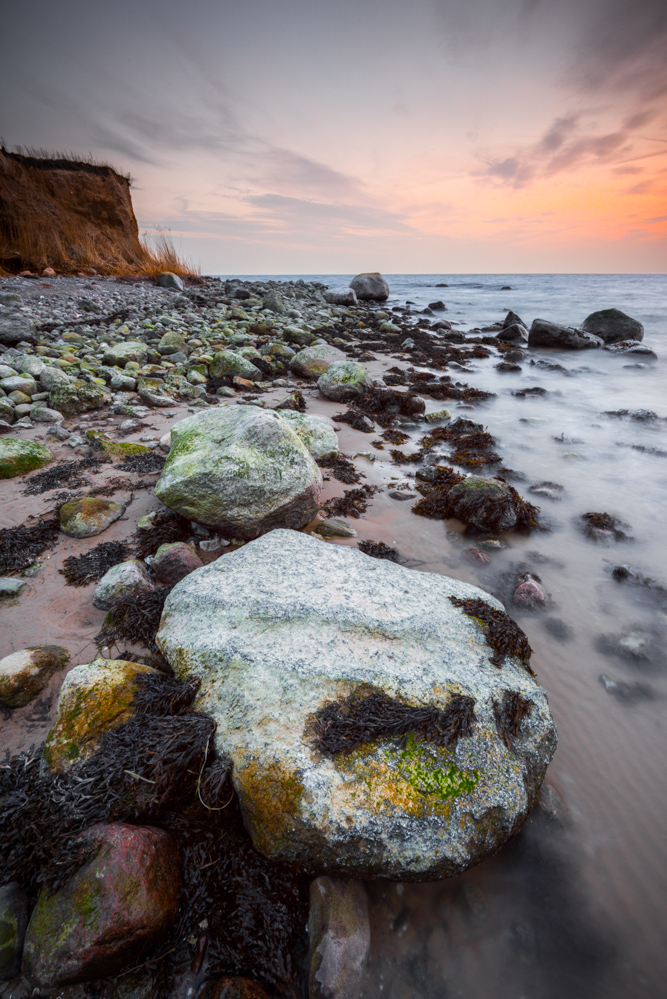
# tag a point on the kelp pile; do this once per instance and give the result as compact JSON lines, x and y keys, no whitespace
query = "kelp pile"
{"x":435,"y":483}
{"x":163,"y":532}
{"x":601,"y":526}
{"x":353,"y":503}
{"x":134,"y":619}
{"x":341,"y":468}
{"x":89,"y":568}
{"x":20,"y":546}
{"x":143,"y":463}
{"x":160,"y":768}
{"x":509,"y":714}
{"x":378,"y":549}
{"x":502,"y":633}
{"x":67,"y":472}
{"x":355,"y":420}
{"x":340,"y":727}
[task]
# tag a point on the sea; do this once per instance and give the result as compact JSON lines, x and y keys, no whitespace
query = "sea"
{"x":575,"y":906}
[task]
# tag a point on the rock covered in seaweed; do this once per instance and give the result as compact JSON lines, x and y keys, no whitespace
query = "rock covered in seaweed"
{"x":240,"y":470}
{"x":24,"y":674}
{"x":487,"y":504}
{"x":111,"y":911}
{"x":365,"y":713}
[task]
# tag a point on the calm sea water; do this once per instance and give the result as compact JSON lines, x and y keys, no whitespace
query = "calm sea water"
{"x":576,"y":908}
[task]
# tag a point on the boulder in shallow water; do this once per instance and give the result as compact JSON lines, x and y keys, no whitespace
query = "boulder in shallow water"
{"x":372,"y":729}
{"x":487,"y":504}
{"x":516,"y":333}
{"x":370,"y":287}
{"x":24,"y":674}
{"x":612,"y":326}
{"x":111,"y":911}
{"x":632,"y":347}
{"x":240,"y":470}
{"x":547,"y":334}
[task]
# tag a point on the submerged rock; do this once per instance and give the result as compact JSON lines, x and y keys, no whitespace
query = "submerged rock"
{"x":25,"y":674}
{"x":240,"y":470}
{"x":487,"y":504}
{"x":93,"y":698}
{"x":632,"y":347}
{"x":529,"y":593}
{"x":370,"y":287}
{"x":612,"y":326}
{"x":547,"y":334}
{"x":13,"y":924}
{"x":111,"y":911}
{"x":18,"y":457}
{"x":371,"y":732}
{"x":89,"y":515}
{"x":316,"y":432}
{"x":339,"y":938}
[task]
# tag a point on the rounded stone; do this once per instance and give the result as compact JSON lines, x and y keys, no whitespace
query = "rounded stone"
{"x":89,"y":515}
{"x":127,"y":579}
{"x":230,"y":363}
{"x":18,"y":457}
{"x":486,"y":504}
{"x":173,"y":562}
{"x":344,"y":379}
{"x":240,"y":470}
{"x":613,"y":326}
{"x":311,"y":362}
{"x":370,"y":287}
{"x":287,"y":635}
{"x":24,"y":674}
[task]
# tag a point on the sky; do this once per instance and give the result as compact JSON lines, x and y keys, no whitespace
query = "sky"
{"x":333,"y":136}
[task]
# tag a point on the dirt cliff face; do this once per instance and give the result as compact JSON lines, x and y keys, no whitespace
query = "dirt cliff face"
{"x":72,"y":216}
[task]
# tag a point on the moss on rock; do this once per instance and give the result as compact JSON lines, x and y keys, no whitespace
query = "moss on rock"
{"x":18,"y":457}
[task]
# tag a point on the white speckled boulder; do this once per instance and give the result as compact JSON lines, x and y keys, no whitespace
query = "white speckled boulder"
{"x":241,"y":470}
{"x":286,"y":627}
{"x":344,"y":379}
{"x":316,"y":432}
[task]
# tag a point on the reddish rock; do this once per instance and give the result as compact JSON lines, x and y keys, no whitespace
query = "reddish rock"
{"x":174,"y":562}
{"x":48,"y":272}
{"x":242,"y":383}
{"x":231,"y":987}
{"x":111,"y":911}
{"x":529,"y":592}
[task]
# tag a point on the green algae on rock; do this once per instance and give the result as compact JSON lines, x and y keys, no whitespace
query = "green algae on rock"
{"x":89,"y":515}
{"x":304,"y":650}
{"x":316,"y":432}
{"x":18,"y":457}
{"x":72,"y":398}
{"x":93,"y":699}
{"x":24,"y":674}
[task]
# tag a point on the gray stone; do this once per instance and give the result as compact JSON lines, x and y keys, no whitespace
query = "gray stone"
{"x":16,"y":328}
{"x":311,"y":362}
{"x":333,"y":527}
{"x":344,"y":379}
{"x":316,"y":432}
{"x":547,"y":334}
{"x":166,"y":279}
{"x":42,"y":414}
{"x":122,"y":383}
{"x":370,"y":287}
{"x":231,"y":363}
{"x":240,"y":470}
{"x":19,"y":383}
{"x":632,"y":347}
{"x":127,"y":579}
{"x":77,"y":397}
{"x":516,"y":333}
{"x":52,"y":376}
{"x":24,"y":674}
{"x":10,"y":587}
{"x":11,"y":298}
{"x":29,"y":364}
{"x":287,"y":625}
{"x":511,"y":319}
{"x":273,"y":302}
{"x":13,"y":926}
{"x":339,"y":937}
{"x":341,"y":296}
{"x":6,"y":371}
{"x":129,"y":350}
{"x":612,"y":326}
{"x":7,"y":410}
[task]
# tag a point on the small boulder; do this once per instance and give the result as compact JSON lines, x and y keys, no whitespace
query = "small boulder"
{"x":316,"y":432}
{"x":18,"y":457}
{"x":529,"y":593}
{"x":13,"y":925}
{"x":42,"y":414}
{"x":127,"y":579}
{"x":16,"y":328}
{"x":632,"y":347}
{"x":339,"y":937}
{"x":341,"y":296}
{"x":113,"y":910}
{"x":173,"y":562}
{"x":343,"y":380}
{"x":72,"y":398}
{"x":241,"y":470}
{"x":93,"y":698}
{"x":511,"y":319}
{"x":89,"y":515}
{"x":311,"y":362}
{"x":547,"y":334}
{"x":613,"y":326}
{"x":25,"y":674}
{"x":486,"y":504}
{"x":173,"y":343}
{"x":52,"y":376}
{"x":513,"y":334}
{"x":273,"y":302}
{"x":119,"y":354}
{"x":230,"y":363}
{"x":370,"y":287}
{"x":19,"y":383}
{"x":166,"y":279}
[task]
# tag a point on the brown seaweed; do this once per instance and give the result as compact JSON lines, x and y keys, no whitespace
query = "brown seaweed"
{"x":355,"y":420}
{"x":509,"y":715}
{"x":164,"y":532}
{"x":342,"y":469}
{"x":134,"y":619}
{"x":67,"y":472}
{"x":20,"y":546}
{"x":502,"y":633}
{"x":352,"y":504}
{"x":378,"y":549}
{"x":79,"y":570}
{"x":143,"y":463}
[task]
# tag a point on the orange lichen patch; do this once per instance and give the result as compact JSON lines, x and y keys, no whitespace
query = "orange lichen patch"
{"x":271,"y":798}
{"x":93,"y":699}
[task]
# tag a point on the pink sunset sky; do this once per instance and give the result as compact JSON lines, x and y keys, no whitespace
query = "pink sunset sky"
{"x":284,"y":136}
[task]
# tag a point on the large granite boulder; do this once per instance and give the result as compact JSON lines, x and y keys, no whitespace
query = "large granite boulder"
{"x":316,"y":432}
{"x":547,"y":334}
{"x":311,"y":362}
{"x":110,"y":912}
{"x":370,"y":287}
{"x":612,"y":326}
{"x":241,"y":470}
{"x":373,"y":729}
